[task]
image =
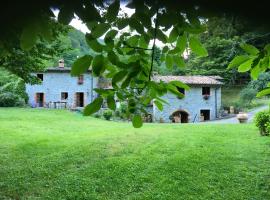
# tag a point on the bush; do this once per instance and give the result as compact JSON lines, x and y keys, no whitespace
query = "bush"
{"x":117,"y":113}
{"x":97,"y":115}
{"x":262,"y":121}
{"x":9,"y":99}
{"x":261,"y":82}
{"x":107,"y":114}
{"x":247,"y":95}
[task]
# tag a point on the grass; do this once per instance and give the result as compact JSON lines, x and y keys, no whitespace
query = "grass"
{"x":56,"y":154}
{"x":230,"y":95}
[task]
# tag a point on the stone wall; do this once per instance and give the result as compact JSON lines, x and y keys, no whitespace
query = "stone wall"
{"x":192,"y":103}
{"x":56,"y":82}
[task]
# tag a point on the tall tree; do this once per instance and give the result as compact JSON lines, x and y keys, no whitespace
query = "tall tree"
{"x":222,"y":39}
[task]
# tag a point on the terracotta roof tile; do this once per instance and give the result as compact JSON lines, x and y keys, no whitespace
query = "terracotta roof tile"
{"x":190,"y":80}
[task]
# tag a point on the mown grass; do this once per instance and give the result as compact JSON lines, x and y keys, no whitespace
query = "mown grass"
{"x":56,"y":154}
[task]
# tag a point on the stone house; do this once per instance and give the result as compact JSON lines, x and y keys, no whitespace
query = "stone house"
{"x":59,"y":89}
{"x":202,"y":102}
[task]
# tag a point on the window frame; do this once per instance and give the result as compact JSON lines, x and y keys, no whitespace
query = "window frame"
{"x":207,"y":92}
{"x":65,"y":94}
{"x":80,"y":79}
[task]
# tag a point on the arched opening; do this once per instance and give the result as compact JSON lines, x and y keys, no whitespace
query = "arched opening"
{"x":180,"y":116}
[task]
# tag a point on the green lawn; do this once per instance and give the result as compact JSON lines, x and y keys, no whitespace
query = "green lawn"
{"x":56,"y":154}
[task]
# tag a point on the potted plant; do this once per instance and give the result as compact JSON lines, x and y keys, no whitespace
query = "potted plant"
{"x":242,"y":117}
{"x":206,"y":96}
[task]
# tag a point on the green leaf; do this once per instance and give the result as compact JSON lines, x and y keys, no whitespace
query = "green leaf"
{"x":133,"y":40}
{"x":268,"y":85}
{"x":110,"y":36}
{"x":172,"y":88}
{"x":122,"y":23}
{"x":246,"y":66}
{"x":135,"y":24}
{"x":197,"y":47}
{"x":65,"y":15}
{"x":46,"y":30}
{"x":182,"y":42}
{"x":119,"y":76}
{"x":93,"y":43}
{"x":254,"y":72}
{"x":126,"y":82}
{"x":238,"y":60}
{"x":137,"y":121}
{"x":161,"y":36}
{"x":145,"y":19}
{"x":169,"y":61}
{"x":100,"y":30}
{"x":99,"y":65}
{"x":159,"y":105}
{"x":81,"y":65}
{"x":93,"y":107}
{"x":249,"y":49}
{"x":176,"y":50}
{"x":173,"y":35}
{"x":29,"y":37}
{"x":113,"y":11}
{"x":111,"y":102}
{"x":263,"y":92}
{"x":113,"y":58}
{"x":179,"y":61}
{"x":179,"y":84}
{"x":267,"y":48}
{"x":165,"y":49}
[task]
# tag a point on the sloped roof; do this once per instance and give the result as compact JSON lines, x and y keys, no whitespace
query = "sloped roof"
{"x":190,"y":80}
{"x":61,"y":69}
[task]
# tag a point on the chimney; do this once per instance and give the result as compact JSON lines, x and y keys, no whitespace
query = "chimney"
{"x":61,"y":63}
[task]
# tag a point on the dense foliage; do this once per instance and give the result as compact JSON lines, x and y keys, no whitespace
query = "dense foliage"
{"x":12,"y":90}
{"x":262,"y":121}
{"x":22,"y":60}
{"x":128,"y":52}
{"x":222,"y":39}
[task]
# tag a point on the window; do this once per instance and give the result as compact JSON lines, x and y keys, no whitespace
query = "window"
{"x":64,"y":95}
{"x":79,"y":99}
{"x":205,"y":90}
{"x":40,"y":77}
{"x":205,"y":115}
{"x":80,"y":80}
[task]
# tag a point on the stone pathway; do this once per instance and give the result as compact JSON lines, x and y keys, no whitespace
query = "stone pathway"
{"x":234,"y":120}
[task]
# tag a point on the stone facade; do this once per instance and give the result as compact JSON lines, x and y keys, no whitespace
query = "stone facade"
{"x":55,"y":82}
{"x":192,"y":104}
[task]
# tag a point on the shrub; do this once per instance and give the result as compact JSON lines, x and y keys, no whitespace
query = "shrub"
{"x":9,"y":99}
{"x":247,"y":95}
{"x":262,"y":121}
{"x":123,"y":108}
{"x":261,"y":82}
{"x":117,"y":113}
{"x":97,"y":115}
{"x":107,"y":114}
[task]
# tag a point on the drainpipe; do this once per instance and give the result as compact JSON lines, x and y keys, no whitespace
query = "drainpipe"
{"x":91,"y":92}
{"x":216,"y":102}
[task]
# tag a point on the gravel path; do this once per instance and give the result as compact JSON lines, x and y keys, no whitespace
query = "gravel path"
{"x":234,"y":120}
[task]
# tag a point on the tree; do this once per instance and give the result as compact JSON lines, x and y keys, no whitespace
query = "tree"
{"x":23,"y":62}
{"x":222,"y":39}
{"x":130,"y":60}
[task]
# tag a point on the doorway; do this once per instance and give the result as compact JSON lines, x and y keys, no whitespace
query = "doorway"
{"x":79,"y":99}
{"x":40,"y":99}
{"x":180,"y":116}
{"x":205,"y":114}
